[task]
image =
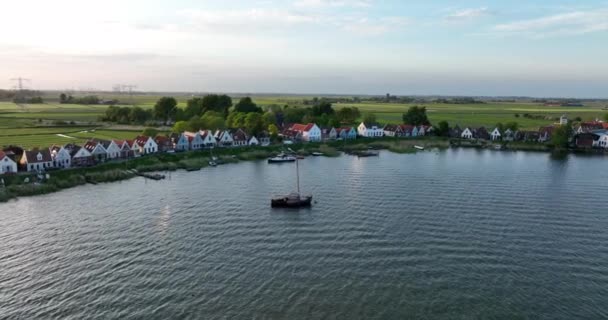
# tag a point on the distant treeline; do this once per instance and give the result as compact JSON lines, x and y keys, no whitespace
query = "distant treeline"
{"x":86,"y":100}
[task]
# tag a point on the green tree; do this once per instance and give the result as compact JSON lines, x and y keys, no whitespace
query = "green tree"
{"x":442,"y":129}
{"x":322,"y":107}
{"x":269,"y":118}
{"x":180,"y":127}
{"x":501,"y":127}
{"x":273,"y":130}
{"x":218,"y":103}
{"x":212,"y":120}
{"x":514,"y":126}
{"x":416,"y":116}
{"x":246,"y":105}
{"x":348,"y":115}
{"x":149,"y":132}
{"x":194,"y":108}
{"x":165,"y":108}
{"x":369,"y":117}
{"x":236,"y":120}
{"x":63,"y":98}
{"x":195,"y":124}
{"x":254,"y":123}
{"x":139,"y":115}
{"x":561,"y":136}
{"x":294,"y":114}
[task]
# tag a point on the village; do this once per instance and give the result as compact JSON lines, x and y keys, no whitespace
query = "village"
{"x":14,"y":159}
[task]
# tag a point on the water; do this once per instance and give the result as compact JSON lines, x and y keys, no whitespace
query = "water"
{"x":457,"y":234}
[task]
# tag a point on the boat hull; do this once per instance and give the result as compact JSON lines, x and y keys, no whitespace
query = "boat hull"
{"x":286,"y":202}
{"x":281,"y":160}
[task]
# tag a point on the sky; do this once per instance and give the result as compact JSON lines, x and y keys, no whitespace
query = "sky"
{"x":534,"y":48}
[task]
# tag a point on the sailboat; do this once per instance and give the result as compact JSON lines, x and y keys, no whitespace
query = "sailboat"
{"x":213,"y":160}
{"x":292,"y":200}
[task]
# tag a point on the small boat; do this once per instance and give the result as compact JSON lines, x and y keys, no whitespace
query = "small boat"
{"x":317,"y":154}
{"x":419,"y":147}
{"x":280,"y":158}
{"x":365,"y":154}
{"x":193,"y":169}
{"x":292,"y":200}
{"x":213,"y":163}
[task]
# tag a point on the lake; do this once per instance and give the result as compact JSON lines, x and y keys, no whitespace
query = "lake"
{"x":455,"y":234}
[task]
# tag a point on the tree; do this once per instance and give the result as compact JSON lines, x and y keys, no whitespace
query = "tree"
{"x":139,"y":115}
{"x":180,"y":127}
{"x":269,"y":118}
{"x":416,"y":116}
{"x":501,"y":127}
{"x":442,"y":129}
{"x":561,"y":136}
{"x":294,"y":115}
{"x":254,"y":123}
{"x":348,"y":114}
{"x":195,"y":124}
{"x":165,"y":108}
{"x":218,"y":103}
{"x":322,"y":107}
{"x":273,"y":131}
{"x":514,"y":126}
{"x":149,"y":132}
{"x":246,"y":105}
{"x":194,"y":108}
{"x":63,"y":98}
{"x":212,"y":120}
{"x":369,"y":117}
{"x":236,"y":120}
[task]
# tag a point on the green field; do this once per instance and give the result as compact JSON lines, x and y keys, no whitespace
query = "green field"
{"x":40,"y":125}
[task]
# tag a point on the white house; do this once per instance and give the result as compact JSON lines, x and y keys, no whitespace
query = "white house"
{"x":253,"y":141}
{"x":263,"y":138}
{"x":209,"y":140}
{"x":81,"y":157}
{"x":113,"y":148}
{"x":310,"y":132}
{"x":422,"y":131}
{"x":37,"y":160}
{"x":509,"y":135}
{"x":223,"y":138}
{"x":147,"y":145}
{"x":495,"y":135}
{"x":7,"y":165}
{"x":602,"y":142}
{"x":563,"y":120}
{"x":61,"y":157}
{"x":370,"y":130}
{"x":180,"y":142}
{"x":239,"y":138}
{"x":97,"y":150}
{"x":466,"y":134}
{"x":193,"y":139}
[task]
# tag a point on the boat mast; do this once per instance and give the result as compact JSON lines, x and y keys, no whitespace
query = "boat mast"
{"x":298,"y":175}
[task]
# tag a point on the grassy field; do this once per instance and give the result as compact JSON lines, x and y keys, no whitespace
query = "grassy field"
{"x":42,"y":125}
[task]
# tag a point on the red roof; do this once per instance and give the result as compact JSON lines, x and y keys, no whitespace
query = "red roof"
{"x":161,"y":139}
{"x":119,"y":142}
{"x":2,"y":155}
{"x":141,"y":140}
{"x":302,"y":127}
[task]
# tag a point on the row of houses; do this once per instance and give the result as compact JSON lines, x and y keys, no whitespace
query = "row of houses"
{"x":311,"y":132}
{"x":14,"y":159}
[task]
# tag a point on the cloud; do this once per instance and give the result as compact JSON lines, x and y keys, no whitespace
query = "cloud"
{"x":571,"y":23}
{"x":332,"y":3}
{"x":467,"y":14}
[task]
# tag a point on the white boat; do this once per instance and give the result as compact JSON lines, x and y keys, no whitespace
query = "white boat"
{"x":280,"y":158}
{"x":317,"y":154}
{"x":419,"y":147}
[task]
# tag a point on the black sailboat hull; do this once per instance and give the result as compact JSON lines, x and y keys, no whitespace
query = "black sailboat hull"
{"x":288,"y":202}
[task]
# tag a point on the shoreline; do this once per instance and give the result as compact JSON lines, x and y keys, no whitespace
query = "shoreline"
{"x":15,"y":187}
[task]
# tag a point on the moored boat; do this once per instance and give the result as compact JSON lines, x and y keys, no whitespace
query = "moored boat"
{"x":294,"y":200}
{"x":317,"y":154}
{"x":280,"y":158}
{"x":365,"y":154}
{"x":419,"y":147}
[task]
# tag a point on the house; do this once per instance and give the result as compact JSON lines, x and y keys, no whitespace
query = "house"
{"x":125,"y":149}
{"x":61,"y":157}
{"x":406,"y":130}
{"x":545,"y":133}
{"x":481,"y":133}
{"x":495,"y":135}
{"x":113,"y":149}
{"x":427,"y":130}
{"x":81,"y":157}
{"x":135,"y":148}
{"x":97,"y":150}
{"x":310,"y":132}
{"x":466,"y":134}
{"x":455,"y":132}
{"x":209,"y":140}
{"x":393,"y":130}
{"x":346,"y":133}
{"x":239,"y":138}
{"x":253,"y":141}
{"x":223,"y":138}
{"x":414,"y":131}
{"x":527,"y":136}
{"x":164,"y":143}
{"x":508,"y":135}
{"x":370,"y":130}
{"x":14,"y":152}
{"x":585,"y":127}
{"x":586,"y":140}
{"x":563,"y":120}
{"x":263,"y":139}
{"x":194,"y":140}
{"x":7,"y":165}
{"x":288,"y":134}
{"x":422,"y":131}
{"x":37,"y":160}
{"x":329,"y":133}
{"x":146,"y":144}
{"x":602,"y":141}
{"x":180,"y":142}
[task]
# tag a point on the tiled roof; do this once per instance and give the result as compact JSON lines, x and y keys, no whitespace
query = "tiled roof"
{"x":32,"y":156}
